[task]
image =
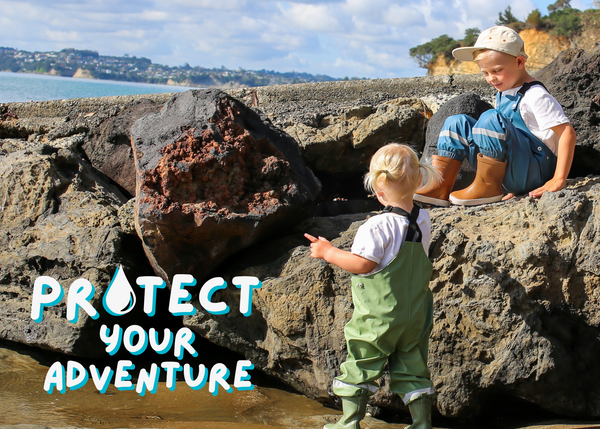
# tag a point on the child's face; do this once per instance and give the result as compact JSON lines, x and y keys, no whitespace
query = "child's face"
{"x":502,"y":71}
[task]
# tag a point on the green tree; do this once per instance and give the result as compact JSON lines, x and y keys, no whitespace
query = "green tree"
{"x":506,"y":17}
{"x":471,"y":35}
{"x":8,"y":63}
{"x":567,"y":22}
{"x":535,"y":19}
{"x":559,"y":5}
{"x":427,"y":53}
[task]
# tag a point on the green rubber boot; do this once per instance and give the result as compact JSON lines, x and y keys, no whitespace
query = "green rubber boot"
{"x":420,"y":411}
{"x":354,"y":409}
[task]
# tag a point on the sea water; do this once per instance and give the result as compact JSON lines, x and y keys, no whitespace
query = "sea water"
{"x":23,"y":87}
{"x":24,"y":401}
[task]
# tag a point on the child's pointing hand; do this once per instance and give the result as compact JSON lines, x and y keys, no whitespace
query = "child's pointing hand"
{"x":318,"y":246}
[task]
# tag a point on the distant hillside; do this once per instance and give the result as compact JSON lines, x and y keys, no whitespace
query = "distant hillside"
{"x":544,"y":36}
{"x":89,"y":64}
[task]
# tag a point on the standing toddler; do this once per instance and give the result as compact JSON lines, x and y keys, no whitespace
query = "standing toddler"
{"x":393,"y":306}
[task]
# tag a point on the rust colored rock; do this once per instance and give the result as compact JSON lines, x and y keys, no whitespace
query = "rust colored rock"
{"x":213,"y":178}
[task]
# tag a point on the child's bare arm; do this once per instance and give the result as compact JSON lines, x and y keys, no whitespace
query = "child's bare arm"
{"x":321,"y":248}
{"x":564,"y":159}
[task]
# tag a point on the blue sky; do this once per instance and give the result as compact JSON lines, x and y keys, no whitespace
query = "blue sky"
{"x":340,"y":38}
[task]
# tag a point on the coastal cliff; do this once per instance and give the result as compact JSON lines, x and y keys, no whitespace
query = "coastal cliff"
{"x":515,"y":283}
{"x":541,"y":46}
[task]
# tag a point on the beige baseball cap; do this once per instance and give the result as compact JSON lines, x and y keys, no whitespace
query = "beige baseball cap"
{"x":499,"y":38}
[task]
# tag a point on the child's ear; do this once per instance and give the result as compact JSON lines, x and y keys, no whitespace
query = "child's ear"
{"x":521,"y":60}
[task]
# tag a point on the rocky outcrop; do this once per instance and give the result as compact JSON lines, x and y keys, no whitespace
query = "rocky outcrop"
{"x":213,"y":178}
{"x":100,"y":130}
{"x":344,"y":144}
{"x":83,"y":74}
{"x":574,"y":78}
{"x":516,"y":305}
{"x":349,"y":120}
{"x":516,"y":293}
{"x":515,"y":283}
{"x":58,"y":218}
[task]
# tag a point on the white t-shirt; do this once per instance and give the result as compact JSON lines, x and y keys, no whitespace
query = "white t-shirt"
{"x":540,"y":112}
{"x":379,"y":239}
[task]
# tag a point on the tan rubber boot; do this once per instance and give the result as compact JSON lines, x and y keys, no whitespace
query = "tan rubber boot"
{"x":487,"y":186}
{"x":438,"y":193}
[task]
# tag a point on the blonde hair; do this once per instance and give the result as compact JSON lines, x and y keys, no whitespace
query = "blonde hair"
{"x":397,"y":167}
{"x":482,"y":53}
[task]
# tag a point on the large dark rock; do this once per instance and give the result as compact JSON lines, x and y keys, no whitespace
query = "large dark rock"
{"x":213,"y":178}
{"x":108,"y":145}
{"x":574,"y":79}
{"x":517,"y":308}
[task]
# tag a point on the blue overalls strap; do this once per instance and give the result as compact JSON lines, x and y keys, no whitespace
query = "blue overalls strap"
{"x":414,"y":232}
{"x":532,"y":162}
{"x":520,"y":93}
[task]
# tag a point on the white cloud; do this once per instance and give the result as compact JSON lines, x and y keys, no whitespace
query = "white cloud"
{"x":209,"y":4}
{"x":130,"y":34}
{"x":311,"y":17}
{"x":285,"y":42}
{"x":351,"y":68}
{"x":63,"y":36}
{"x":403,"y":16}
{"x":154,"y":15}
{"x":368,"y":10}
{"x":581,"y":4}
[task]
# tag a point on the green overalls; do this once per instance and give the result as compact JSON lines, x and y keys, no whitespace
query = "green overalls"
{"x":392,"y":319}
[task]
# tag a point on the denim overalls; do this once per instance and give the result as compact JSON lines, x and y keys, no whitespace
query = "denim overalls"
{"x":501,"y":134}
{"x":391,"y":322}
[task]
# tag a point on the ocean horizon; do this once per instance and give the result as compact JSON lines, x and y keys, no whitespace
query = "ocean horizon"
{"x":25,"y":87}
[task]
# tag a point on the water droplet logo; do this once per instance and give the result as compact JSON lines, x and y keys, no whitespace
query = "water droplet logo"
{"x":119,"y":298}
